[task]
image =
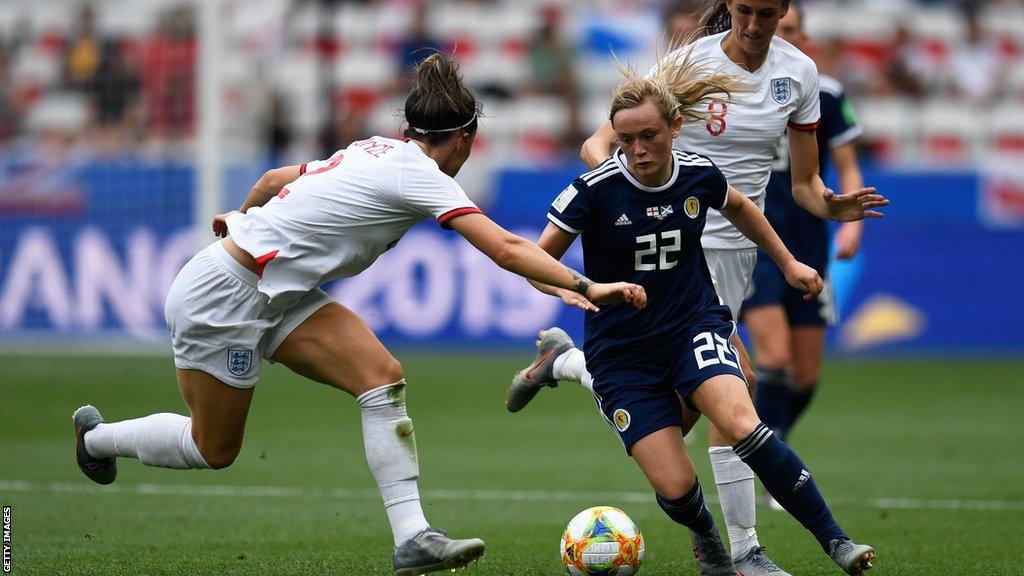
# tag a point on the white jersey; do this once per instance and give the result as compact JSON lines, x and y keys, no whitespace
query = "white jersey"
{"x":343,"y":213}
{"x":741,"y":136}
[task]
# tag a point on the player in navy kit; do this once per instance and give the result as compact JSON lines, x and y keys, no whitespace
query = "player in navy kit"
{"x":788,"y":332}
{"x":740,"y":136}
{"x":641,"y":214}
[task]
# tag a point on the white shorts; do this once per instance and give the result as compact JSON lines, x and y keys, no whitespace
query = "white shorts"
{"x":731,"y":271}
{"x":221,"y":324}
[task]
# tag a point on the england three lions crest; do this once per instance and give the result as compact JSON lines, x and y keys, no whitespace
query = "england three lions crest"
{"x":239,"y":361}
{"x":782,"y":90}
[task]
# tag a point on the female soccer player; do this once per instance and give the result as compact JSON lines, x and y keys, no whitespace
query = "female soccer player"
{"x":255,"y":294}
{"x":788,"y":332}
{"x":740,"y":136}
{"x":642,"y":214}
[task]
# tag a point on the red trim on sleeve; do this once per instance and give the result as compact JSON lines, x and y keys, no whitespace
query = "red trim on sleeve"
{"x":302,"y":169}
{"x":804,"y":127}
{"x":443,"y":219}
{"x":261,"y":262}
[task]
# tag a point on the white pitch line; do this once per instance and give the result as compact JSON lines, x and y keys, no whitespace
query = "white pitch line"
{"x":492,"y":495}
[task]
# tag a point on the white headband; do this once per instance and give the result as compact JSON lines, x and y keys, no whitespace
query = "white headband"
{"x":425,"y":131}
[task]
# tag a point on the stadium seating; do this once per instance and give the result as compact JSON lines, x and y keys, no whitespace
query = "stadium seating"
{"x":278,"y":49}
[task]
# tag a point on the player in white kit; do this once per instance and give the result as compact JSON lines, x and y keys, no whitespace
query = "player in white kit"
{"x":255,"y":294}
{"x":740,"y":136}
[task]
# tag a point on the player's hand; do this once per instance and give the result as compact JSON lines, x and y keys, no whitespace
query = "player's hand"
{"x":847,"y":240}
{"x":578,"y":300}
{"x":855,"y":205}
{"x":803,"y":277}
{"x":617,"y":293}
{"x":220,"y":224}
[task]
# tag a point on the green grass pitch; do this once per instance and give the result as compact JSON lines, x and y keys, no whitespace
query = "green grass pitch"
{"x":921,"y":459}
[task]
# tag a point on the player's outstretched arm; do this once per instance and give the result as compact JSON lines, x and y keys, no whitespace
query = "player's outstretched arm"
{"x":812,"y":195}
{"x":556,"y":241}
{"x":848,"y":237}
{"x":748,"y":219}
{"x":598,"y":147}
{"x":268,"y":186}
{"x":520,"y":256}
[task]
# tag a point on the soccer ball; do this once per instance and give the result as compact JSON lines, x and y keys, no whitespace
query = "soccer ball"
{"x":602,"y":541}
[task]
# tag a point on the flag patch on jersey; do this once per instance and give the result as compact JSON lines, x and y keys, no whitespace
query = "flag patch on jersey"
{"x":623,"y":221}
{"x":659,"y":212}
{"x":239,"y":361}
{"x":692,"y":207}
{"x":563,"y":200}
{"x":782,"y":90}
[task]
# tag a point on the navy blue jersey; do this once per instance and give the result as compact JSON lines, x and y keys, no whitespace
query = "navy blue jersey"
{"x":649,"y":236}
{"x":803,"y":233}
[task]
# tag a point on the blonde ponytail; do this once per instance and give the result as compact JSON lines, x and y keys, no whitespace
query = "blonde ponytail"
{"x":677,"y":86}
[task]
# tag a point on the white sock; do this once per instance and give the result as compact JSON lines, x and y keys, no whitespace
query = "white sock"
{"x":572,"y":366}
{"x":390,"y":447}
{"x":162,"y":440}
{"x":735,"y":482}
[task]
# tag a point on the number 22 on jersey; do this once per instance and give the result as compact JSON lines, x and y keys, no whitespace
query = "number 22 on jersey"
{"x":649,"y":246}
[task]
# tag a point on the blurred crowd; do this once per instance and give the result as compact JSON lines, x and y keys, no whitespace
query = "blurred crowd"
{"x":932,"y":80}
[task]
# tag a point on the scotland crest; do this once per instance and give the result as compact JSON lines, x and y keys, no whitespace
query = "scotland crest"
{"x":239,"y":361}
{"x":782,"y":90}
{"x":621,"y":419}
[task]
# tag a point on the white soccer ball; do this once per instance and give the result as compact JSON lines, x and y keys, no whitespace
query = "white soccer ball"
{"x":602,"y":541}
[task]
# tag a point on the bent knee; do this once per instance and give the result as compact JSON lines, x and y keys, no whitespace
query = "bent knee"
{"x":392,"y":370}
{"x":220,"y":456}
{"x":736,"y":431}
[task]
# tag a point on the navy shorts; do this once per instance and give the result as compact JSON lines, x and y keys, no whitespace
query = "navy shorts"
{"x":641,"y":397}
{"x":769,"y":288}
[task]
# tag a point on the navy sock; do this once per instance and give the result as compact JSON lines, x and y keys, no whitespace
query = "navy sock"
{"x":797,"y":401}
{"x":772,"y":398}
{"x":690,"y":510}
{"x":788,"y":481}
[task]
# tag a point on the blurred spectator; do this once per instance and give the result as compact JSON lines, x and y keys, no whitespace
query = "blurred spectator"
{"x":902,"y":70}
{"x":681,"y":19}
{"x":415,"y":47}
{"x":345,"y":127}
{"x":84,"y":54}
{"x":169,"y":75}
{"x":8,"y":115}
{"x":553,"y":73}
{"x":278,"y":135}
{"x":976,"y":65}
{"x":551,"y":61}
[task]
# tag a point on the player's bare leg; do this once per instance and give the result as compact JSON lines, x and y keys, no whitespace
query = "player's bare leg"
{"x":662,"y":457}
{"x":218,"y":413}
{"x":335,"y":347}
{"x":210,"y":438}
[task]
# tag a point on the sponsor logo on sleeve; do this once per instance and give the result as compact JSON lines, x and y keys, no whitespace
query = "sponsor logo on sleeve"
{"x":563,"y":200}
